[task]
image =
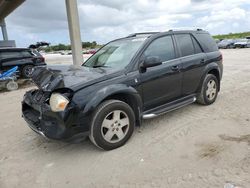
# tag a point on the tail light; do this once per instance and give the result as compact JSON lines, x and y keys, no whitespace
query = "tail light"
{"x":42,"y":59}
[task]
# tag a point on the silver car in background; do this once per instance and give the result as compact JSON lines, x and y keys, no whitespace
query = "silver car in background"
{"x":242,"y":43}
{"x":227,"y":44}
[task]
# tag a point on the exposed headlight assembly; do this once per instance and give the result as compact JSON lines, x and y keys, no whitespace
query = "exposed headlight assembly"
{"x":58,"y":102}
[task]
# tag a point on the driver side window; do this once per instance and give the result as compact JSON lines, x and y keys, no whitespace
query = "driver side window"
{"x":162,"y":48}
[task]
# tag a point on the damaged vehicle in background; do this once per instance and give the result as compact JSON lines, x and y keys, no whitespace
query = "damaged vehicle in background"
{"x":24,"y":58}
{"x":137,"y":77}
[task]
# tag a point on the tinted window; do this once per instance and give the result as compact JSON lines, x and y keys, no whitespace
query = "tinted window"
{"x":185,"y":44}
{"x":7,"y":55}
{"x":162,"y":47}
{"x":207,"y":42}
{"x":27,"y":54}
{"x":197,"y":47}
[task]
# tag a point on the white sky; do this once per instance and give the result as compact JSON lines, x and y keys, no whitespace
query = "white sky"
{"x":105,"y":20}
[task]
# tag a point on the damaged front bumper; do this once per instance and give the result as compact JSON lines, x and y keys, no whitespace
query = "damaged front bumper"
{"x":65,"y":125}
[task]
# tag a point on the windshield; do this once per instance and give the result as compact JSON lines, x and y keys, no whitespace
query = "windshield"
{"x":117,"y":54}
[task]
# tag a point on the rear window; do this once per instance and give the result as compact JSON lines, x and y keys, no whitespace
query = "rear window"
{"x":207,"y":42}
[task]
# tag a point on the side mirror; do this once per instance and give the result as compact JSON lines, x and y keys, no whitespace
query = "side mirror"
{"x":151,"y":62}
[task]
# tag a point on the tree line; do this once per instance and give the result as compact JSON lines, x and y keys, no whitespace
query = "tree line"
{"x":233,"y":35}
{"x":63,"y":47}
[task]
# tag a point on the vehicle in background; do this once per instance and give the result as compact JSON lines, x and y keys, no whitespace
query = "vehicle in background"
{"x":217,"y":41}
{"x":26,"y":59}
{"x":227,"y":44}
{"x":66,"y":52}
{"x":137,"y":77}
{"x":242,"y":43}
{"x":91,"y":51}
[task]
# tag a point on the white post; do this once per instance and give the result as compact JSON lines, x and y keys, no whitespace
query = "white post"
{"x":4,"y":30}
{"x":74,"y":31}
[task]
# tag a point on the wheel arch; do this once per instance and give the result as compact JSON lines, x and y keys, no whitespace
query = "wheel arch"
{"x":214,"y":70}
{"x":120,"y":92}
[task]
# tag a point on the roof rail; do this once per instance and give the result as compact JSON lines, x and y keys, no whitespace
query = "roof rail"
{"x":145,"y":33}
{"x":191,"y":29}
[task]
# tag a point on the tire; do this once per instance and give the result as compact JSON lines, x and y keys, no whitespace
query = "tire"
{"x":27,"y":71}
{"x":209,"y":91}
{"x":11,"y":86}
{"x":106,"y":124}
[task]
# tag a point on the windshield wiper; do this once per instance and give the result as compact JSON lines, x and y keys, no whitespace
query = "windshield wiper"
{"x":98,"y":66}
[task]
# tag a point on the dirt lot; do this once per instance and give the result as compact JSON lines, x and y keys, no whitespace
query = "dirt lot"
{"x":197,"y":146}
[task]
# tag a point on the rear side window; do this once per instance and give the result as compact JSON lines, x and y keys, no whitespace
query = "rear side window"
{"x":162,"y":47}
{"x":197,"y":47}
{"x":27,"y":54}
{"x":207,"y":42}
{"x":7,"y":55}
{"x":185,"y":44}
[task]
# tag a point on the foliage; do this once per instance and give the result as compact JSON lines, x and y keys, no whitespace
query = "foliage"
{"x":63,"y":47}
{"x":233,"y":35}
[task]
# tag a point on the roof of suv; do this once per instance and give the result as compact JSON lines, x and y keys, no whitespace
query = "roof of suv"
{"x":149,"y":34}
{"x":13,"y":49}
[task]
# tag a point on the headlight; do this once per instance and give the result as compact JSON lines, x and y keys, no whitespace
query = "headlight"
{"x":58,"y":102}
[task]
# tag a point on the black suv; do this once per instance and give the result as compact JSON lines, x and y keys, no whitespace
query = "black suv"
{"x":24,"y":58}
{"x":137,"y":77}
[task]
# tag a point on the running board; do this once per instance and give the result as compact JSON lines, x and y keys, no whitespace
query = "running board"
{"x":169,"y":107}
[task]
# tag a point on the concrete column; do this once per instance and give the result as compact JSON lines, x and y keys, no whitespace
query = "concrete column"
{"x":74,"y":31}
{"x":4,"y":30}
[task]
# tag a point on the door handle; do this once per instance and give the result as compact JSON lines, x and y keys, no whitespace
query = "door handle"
{"x":175,"y":68}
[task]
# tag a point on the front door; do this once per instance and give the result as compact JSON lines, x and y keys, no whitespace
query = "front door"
{"x":162,"y":83}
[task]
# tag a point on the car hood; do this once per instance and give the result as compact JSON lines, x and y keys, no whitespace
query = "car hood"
{"x":72,"y":77}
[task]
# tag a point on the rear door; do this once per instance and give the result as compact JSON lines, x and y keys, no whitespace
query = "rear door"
{"x":162,"y":83}
{"x":193,"y":61}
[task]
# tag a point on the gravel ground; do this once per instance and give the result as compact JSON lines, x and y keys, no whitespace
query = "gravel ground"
{"x":196,"y":146}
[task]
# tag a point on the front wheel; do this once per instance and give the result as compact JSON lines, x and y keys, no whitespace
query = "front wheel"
{"x":209,"y":91}
{"x":112,"y":124}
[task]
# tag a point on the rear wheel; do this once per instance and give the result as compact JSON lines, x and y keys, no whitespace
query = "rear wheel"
{"x":209,"y":91}
{"x":27,"y":71}
{"x":112,"y":125}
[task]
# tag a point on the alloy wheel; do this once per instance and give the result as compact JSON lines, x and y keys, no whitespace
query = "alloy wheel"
{"x":211,"y":90}
{"x":115,"y":126}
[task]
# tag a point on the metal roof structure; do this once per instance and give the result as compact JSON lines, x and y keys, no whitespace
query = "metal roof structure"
{"x":8,"y":6}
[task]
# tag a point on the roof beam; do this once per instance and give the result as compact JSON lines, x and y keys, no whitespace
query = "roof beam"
{"x":74,"y":31}
{"x":8,"y":6}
